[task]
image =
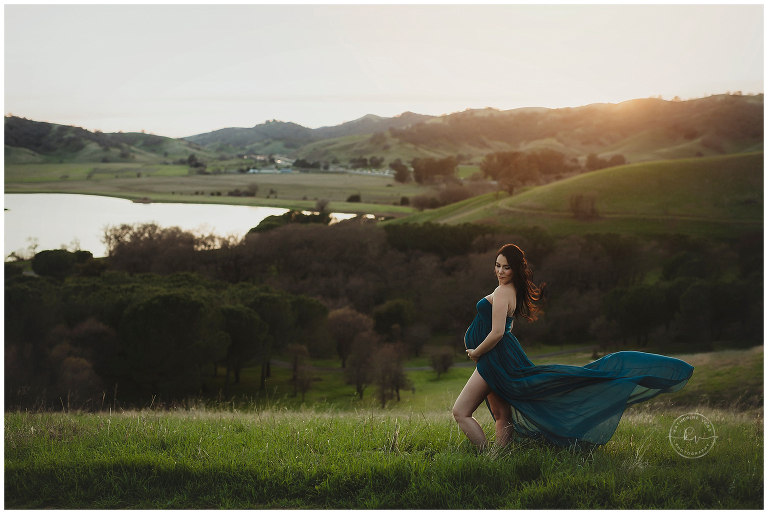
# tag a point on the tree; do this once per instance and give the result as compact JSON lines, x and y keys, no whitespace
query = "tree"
{"x":514,"y":168}
{"x":425,"y":170}
{"x":247,"y":333}
{"x":389,"y":376}
{"x":99,"y":345}
{"x":310,"y":323}
{"x":170,"y":339}
{"x":345,"y":324}
{"x":301,"y":376}
{"x":617,"y":160}
{"x":640,"y":310}
{"x":441,"y":360}
{"x":360,"y":372}
{"x":416,"y":336}
{"x":583,"y":205}
{"x":394,"y":312}
{"x":402,"y":174}
{"x":274,"y":307}
{"x":596,"y":163}
{"x":53,"y":263}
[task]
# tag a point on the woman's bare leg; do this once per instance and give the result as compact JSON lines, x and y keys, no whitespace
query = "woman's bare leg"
{"x":466,"y":404}
{"x":502,"y":412}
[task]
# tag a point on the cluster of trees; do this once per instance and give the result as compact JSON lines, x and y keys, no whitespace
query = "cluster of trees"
{"x":251,"y":190}
{"x":195,"y":165}
{"x":146,"y":334}
{"x":294,"y":216}
{"x":428,"y":169}
{"x":515,"y":169}
{"x":366,"y":162}
{"x":597,"y":163}
{"x":402,"y":173}
{"x":393,"y":286}
{"x":450,"y":193}
{"x":303,"y":163}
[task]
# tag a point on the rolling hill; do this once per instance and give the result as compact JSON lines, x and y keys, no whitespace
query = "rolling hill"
{"x":641,"y":130}
{"x":28,"y":142}
{"x":716,"y":195}
{"x":274,"y":136}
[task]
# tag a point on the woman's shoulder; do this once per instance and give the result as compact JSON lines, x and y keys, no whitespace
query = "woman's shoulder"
{"x":506,"y":290}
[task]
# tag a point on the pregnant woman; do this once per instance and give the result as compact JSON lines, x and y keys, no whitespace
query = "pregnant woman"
{"x":563,"y":404}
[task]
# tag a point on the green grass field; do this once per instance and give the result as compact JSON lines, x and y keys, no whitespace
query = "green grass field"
{"x":721,"y":379}
{"x":172,"y":183}
{"x":727,"y":188}
{"x":320,"y":459}
{"x":334,"y":451}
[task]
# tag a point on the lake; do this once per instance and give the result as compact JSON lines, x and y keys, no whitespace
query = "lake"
{"x":69,"y":219}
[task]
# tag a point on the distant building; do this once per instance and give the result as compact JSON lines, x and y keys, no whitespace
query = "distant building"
{"x":270,"y":169}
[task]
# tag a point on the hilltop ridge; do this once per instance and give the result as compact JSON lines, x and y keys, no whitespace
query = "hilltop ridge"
{"x":644,"y":129}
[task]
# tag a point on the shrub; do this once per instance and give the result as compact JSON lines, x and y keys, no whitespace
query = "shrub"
{"x":53,"y":263}
{"x":354,"y":198}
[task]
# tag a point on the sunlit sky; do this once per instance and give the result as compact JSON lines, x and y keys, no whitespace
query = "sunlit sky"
{"x":179,"y":70}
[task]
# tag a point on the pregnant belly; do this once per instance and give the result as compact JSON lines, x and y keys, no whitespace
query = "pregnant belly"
{"x":474,"y":335}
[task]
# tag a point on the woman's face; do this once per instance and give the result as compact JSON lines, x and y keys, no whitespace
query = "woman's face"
{"x":503,"y":270}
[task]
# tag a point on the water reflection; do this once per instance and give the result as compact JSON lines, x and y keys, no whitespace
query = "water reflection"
{"x":54,"y":220}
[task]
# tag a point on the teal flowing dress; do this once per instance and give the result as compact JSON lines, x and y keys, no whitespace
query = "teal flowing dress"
{"x":570,"y":405}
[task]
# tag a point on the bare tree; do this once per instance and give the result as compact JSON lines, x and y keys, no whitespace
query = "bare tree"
{"x":360,"y":370}
{"x":303,"y":382}
{"x":389,"y":375}
{"x":442,"y":360}
{"x":345,"y":324}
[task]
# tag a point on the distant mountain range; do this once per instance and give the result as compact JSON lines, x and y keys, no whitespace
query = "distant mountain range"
{"x":641,"y":130}
{"x":294,"y":135}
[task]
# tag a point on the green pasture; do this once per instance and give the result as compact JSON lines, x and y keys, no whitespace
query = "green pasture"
{"x":201,"y":458}
{"x":727,"y":188}
{"x":172,"y":183}
{"x":334,"y":451}
{"x":722,"y":378}
{"x":465,"y":171}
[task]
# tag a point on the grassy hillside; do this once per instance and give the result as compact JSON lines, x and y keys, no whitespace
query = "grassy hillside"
{"x":28,"y":141}
{"x":725,"y":188}
{"x":270,"y":450}
{"x":642,"y":130}
{"x":342,"y":149}
{"x":719,"y":196}
{"x":200,"y":458}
